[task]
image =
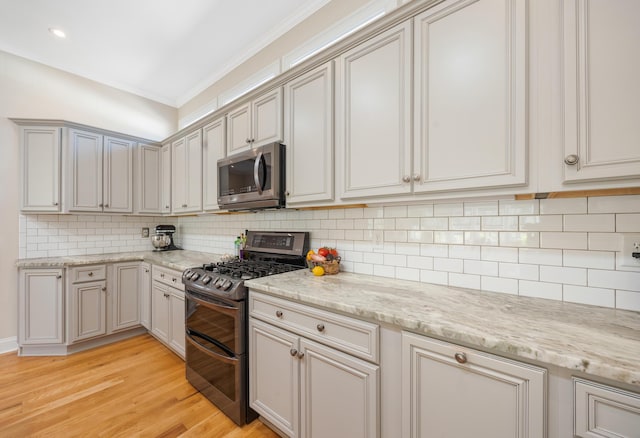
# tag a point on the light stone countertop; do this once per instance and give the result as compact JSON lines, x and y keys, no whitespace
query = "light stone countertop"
{"x":598,"y":341}
{"x":179,"y":259}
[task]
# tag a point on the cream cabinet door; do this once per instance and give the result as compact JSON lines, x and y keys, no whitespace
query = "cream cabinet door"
{"x":470,"y":95}
{"x":338,"y":394}
{"x":85,"y":168}
{"x":88,"y":310}
{"x":601,"y":92}
{"x":274,"y":376}
{"x":40,"y":307}
{"x":40,"y":168}
{"x":186,"y":174}
{"x":213,"y":149}
{"x":177,"y":321}
{"x":166,"y":178}
{"x":308,"y":109}
{"x":160,"y":311}
{"x":239,"y":129}
{"x":179,"y":176}
{"x":267,"y":118}
{"x":457,"y":392}
{"x":373,"y":115}
{"x":145,"y":295}
{"x":148,"y":179}
{"x":118,"y":175}
{"x":125,"y":296}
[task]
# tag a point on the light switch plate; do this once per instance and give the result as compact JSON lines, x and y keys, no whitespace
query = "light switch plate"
{"x":145,"y":232}
{"x":630,"y":244}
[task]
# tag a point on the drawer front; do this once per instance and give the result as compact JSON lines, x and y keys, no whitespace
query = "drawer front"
{"x":167,"y":276}
{"x":355,"y":337}
{"x":605,"y":411}
{"x":81,"y":274}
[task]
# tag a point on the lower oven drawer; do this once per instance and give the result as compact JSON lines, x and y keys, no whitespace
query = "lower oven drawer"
{"x":353,"y":336}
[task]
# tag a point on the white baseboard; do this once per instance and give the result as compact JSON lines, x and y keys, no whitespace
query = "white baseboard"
{"x":8,"y":344}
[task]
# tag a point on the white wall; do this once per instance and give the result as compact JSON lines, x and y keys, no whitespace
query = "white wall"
{"x":31,"y":90}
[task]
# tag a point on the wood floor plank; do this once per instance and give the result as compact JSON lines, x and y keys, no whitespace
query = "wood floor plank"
{"x":134,"y":388}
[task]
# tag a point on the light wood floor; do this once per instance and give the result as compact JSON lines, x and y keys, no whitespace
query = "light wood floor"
{"x":134,"y":388}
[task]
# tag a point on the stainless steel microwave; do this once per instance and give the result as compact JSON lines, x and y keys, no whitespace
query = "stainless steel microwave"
{"x":253,"y":180}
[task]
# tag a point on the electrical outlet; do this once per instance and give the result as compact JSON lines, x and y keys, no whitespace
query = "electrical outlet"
{"x":145,"y":232}
{"x":630,"y":245}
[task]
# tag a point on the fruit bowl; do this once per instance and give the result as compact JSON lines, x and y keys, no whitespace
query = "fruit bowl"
{"x":330,"y":266}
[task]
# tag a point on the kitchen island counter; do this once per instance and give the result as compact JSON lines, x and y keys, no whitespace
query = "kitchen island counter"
{"x":598,"y":341}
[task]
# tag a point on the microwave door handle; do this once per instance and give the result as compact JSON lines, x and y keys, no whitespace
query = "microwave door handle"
{"x":256,"y":172}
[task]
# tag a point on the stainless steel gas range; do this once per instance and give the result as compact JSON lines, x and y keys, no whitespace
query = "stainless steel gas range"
{"x":217,"y":316}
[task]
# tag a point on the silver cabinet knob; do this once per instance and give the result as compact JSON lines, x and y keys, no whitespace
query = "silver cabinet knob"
{"x":293,"y":352}
{"x":106,"y":205}
{"x":104,"y":289}
{"x":58,"y":277}
{"x":248,"y":140}
{"x":406,"y":179}
{"x":300,"y":355}
{"x":320,"y":327}
{"x":184,"y":205}
{"x":571,"y":160}
{"x":279,"y":313}
{"x":460,"y":357}
{"x":101,"y":205}
{"x":166,"y":206}
{"x":90,"y":274}
{"x":416,"y":177}
{"x":55,"y":203}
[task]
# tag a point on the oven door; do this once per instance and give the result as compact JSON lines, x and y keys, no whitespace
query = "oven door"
{"x":213,"y":332}
{"x":252,"y":179}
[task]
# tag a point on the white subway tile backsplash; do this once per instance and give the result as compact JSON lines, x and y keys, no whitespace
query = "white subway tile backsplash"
{"x":516,"y":208}
{"x":502,"y":285}
{"x":556,"y":274}
{"x":615,"y":279}
{"x":602,"y":223}
{"x":589,"y":259}
{"x":531,"y":248}
{"x":541,"y":223}
{"x":488,"y":208}
{"x":628,"y":300}
{"x":536,"y":289}
{"x":589,"y":295}
{"x":614,"y":204}
{"x":448,"y":209}
{"x":628,"y":223}
{"x":563,"y":206}
{"x":563,"y":240}
{"x":500,"y":223}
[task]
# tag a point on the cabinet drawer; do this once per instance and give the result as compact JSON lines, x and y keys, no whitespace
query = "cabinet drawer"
{"x":604,"y":411}
{"x":88,"y":273}
{"x":167,"y":276}
{"x":358,"y":338}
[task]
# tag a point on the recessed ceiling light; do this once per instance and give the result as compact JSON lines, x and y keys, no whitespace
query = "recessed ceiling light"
{"x":57,"y":32}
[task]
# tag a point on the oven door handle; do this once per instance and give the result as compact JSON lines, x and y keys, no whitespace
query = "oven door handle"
{"x":225,"y":359}
{"x":213,"y":304}
{"x":256,"y":172}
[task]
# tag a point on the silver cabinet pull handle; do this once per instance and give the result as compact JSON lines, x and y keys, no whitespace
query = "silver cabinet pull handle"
{"x":279,"y":313}
{"x":460,"y":357}
{"x":293,"y":352}
{"x":571,"y":160}
{"x":320,"y":327}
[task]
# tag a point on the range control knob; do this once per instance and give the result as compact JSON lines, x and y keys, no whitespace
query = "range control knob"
{"x":227,"y":284}
{"x":187,"y":274}
{"x":206,"y":279}
{"x":194,"y":277}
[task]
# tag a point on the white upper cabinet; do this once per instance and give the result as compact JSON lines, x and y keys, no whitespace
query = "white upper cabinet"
{"x":373,"y":115}
{"x":40,"y":167}
{"x":213,"y":149}
{"x":601,"y":92}
{"x":100,"y":173}
{"x":186,"y":174}
{"x":308,"y":121}
{"x":470,"y":95}
{"x":148,"y":179}
{"x":255,"y":123}
{"x":166,"y":178}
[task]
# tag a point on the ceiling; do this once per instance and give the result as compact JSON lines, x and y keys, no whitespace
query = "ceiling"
{"x":165,"y":50}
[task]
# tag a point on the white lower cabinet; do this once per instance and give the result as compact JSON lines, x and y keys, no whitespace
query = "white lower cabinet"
{"x":167,"y":309}
{"x":41,"y":307}
{"x":453,"y":391}
{"x":145,"y":295}
{"x":305,"y":388}
{"x":602,"y":411}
